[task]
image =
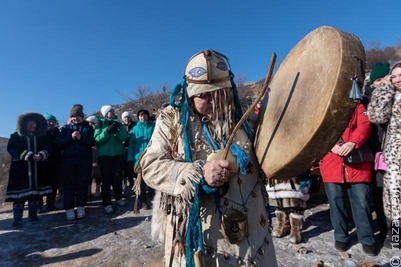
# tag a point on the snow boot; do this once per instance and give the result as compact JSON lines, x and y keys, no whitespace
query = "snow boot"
{"x":18,"y":210}
{"x":296,"y":221}
{"x":33,"y":211}
{"x":283,"y":227}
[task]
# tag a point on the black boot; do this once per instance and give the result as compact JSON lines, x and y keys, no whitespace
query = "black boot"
{"x":18,"y":210}
{"x":33,"y":211}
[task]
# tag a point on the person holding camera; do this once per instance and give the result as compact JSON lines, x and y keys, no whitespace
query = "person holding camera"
{"x":76,"y":141}
{"x":110,"y":135}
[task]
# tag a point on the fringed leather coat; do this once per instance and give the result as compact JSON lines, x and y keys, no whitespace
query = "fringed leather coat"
{"x":164,"y":169}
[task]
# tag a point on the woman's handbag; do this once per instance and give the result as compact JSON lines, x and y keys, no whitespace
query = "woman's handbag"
{"x":359,"y":155}
{"x":380,"y":163}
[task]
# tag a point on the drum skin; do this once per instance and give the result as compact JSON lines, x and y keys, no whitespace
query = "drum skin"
{"x":308,"y":106}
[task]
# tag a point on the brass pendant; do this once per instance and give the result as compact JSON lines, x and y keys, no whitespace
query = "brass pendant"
{"x":234,"y":226}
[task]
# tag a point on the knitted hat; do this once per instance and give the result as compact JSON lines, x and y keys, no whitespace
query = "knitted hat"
{"x":105,"y":109}
{"x":142,"y":111}
{"x":49,"y":117}
{"x":379,"y":70}
{"x":126,"y":114}
{"x":92,"y":119}
{"x":77,"y":110}
{"x":394,"y":64}
{"x":207,"y":71}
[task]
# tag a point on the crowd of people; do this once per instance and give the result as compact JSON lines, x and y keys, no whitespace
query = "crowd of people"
{"x":50,"y":161}
{"x":205,"y":209}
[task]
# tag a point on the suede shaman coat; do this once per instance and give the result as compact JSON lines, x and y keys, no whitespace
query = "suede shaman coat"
{"x":331,"y":166}
{"x":28,"y":177}
{"x":385,"y":107}
{"x":164,"y":169}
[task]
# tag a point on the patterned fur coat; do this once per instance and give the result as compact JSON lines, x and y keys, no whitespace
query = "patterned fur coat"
{"x":385,"y":107}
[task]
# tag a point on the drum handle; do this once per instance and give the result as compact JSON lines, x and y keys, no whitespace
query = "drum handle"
{"x":249,"y":111}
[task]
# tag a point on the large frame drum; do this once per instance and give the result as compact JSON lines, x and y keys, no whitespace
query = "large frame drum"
{"x":308,"y":106}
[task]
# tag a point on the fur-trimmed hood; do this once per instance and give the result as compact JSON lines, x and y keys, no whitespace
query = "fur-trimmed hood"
{"x":23,"y":119}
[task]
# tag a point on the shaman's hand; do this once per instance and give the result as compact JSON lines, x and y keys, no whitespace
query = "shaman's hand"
{"x":216,"y":172}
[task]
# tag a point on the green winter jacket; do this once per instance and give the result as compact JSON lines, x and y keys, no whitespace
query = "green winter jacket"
{"x":110,"y":144}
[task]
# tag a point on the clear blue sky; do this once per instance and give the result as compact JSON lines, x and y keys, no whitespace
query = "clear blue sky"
{"x":56,"y":53}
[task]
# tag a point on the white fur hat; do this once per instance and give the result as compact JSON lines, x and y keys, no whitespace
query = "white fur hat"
{"x":92,"y":119}
{"x":105,"y":109}
{"x":126,"y":114}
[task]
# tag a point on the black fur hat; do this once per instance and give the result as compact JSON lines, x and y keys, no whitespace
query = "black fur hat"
{"x":23,"y":119}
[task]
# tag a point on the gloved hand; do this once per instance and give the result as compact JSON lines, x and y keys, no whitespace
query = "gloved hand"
{"x":116,"y":128}
{"x":112,"y":127}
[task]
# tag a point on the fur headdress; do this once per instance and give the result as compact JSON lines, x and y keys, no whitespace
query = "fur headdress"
{"x":23,"y":119}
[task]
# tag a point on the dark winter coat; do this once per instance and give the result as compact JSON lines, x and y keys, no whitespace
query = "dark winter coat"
{"x":26,"y":176}
{"x":128,"y":127}
{"x":76,"y":149}
{"x":54,"y":160}
{"x":331,"y":166}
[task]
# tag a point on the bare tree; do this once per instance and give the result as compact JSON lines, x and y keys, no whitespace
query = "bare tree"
{"x":165,"y":88}
{"x":375,"y":45}
{"x":240,"y":79}
{"x":388,"y":54}
{"x":142,"y":91}
{"x":126,"y":97}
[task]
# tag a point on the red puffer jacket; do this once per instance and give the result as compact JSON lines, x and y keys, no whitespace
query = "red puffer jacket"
{"x":331,"y":166}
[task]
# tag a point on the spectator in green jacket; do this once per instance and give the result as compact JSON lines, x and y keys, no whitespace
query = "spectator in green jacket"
{"x":109,"y":136}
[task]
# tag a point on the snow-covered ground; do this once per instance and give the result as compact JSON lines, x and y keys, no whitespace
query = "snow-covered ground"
{"x":123,"y":239}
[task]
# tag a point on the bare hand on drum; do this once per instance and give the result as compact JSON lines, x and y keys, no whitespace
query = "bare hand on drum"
{"x":216,"y":172}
